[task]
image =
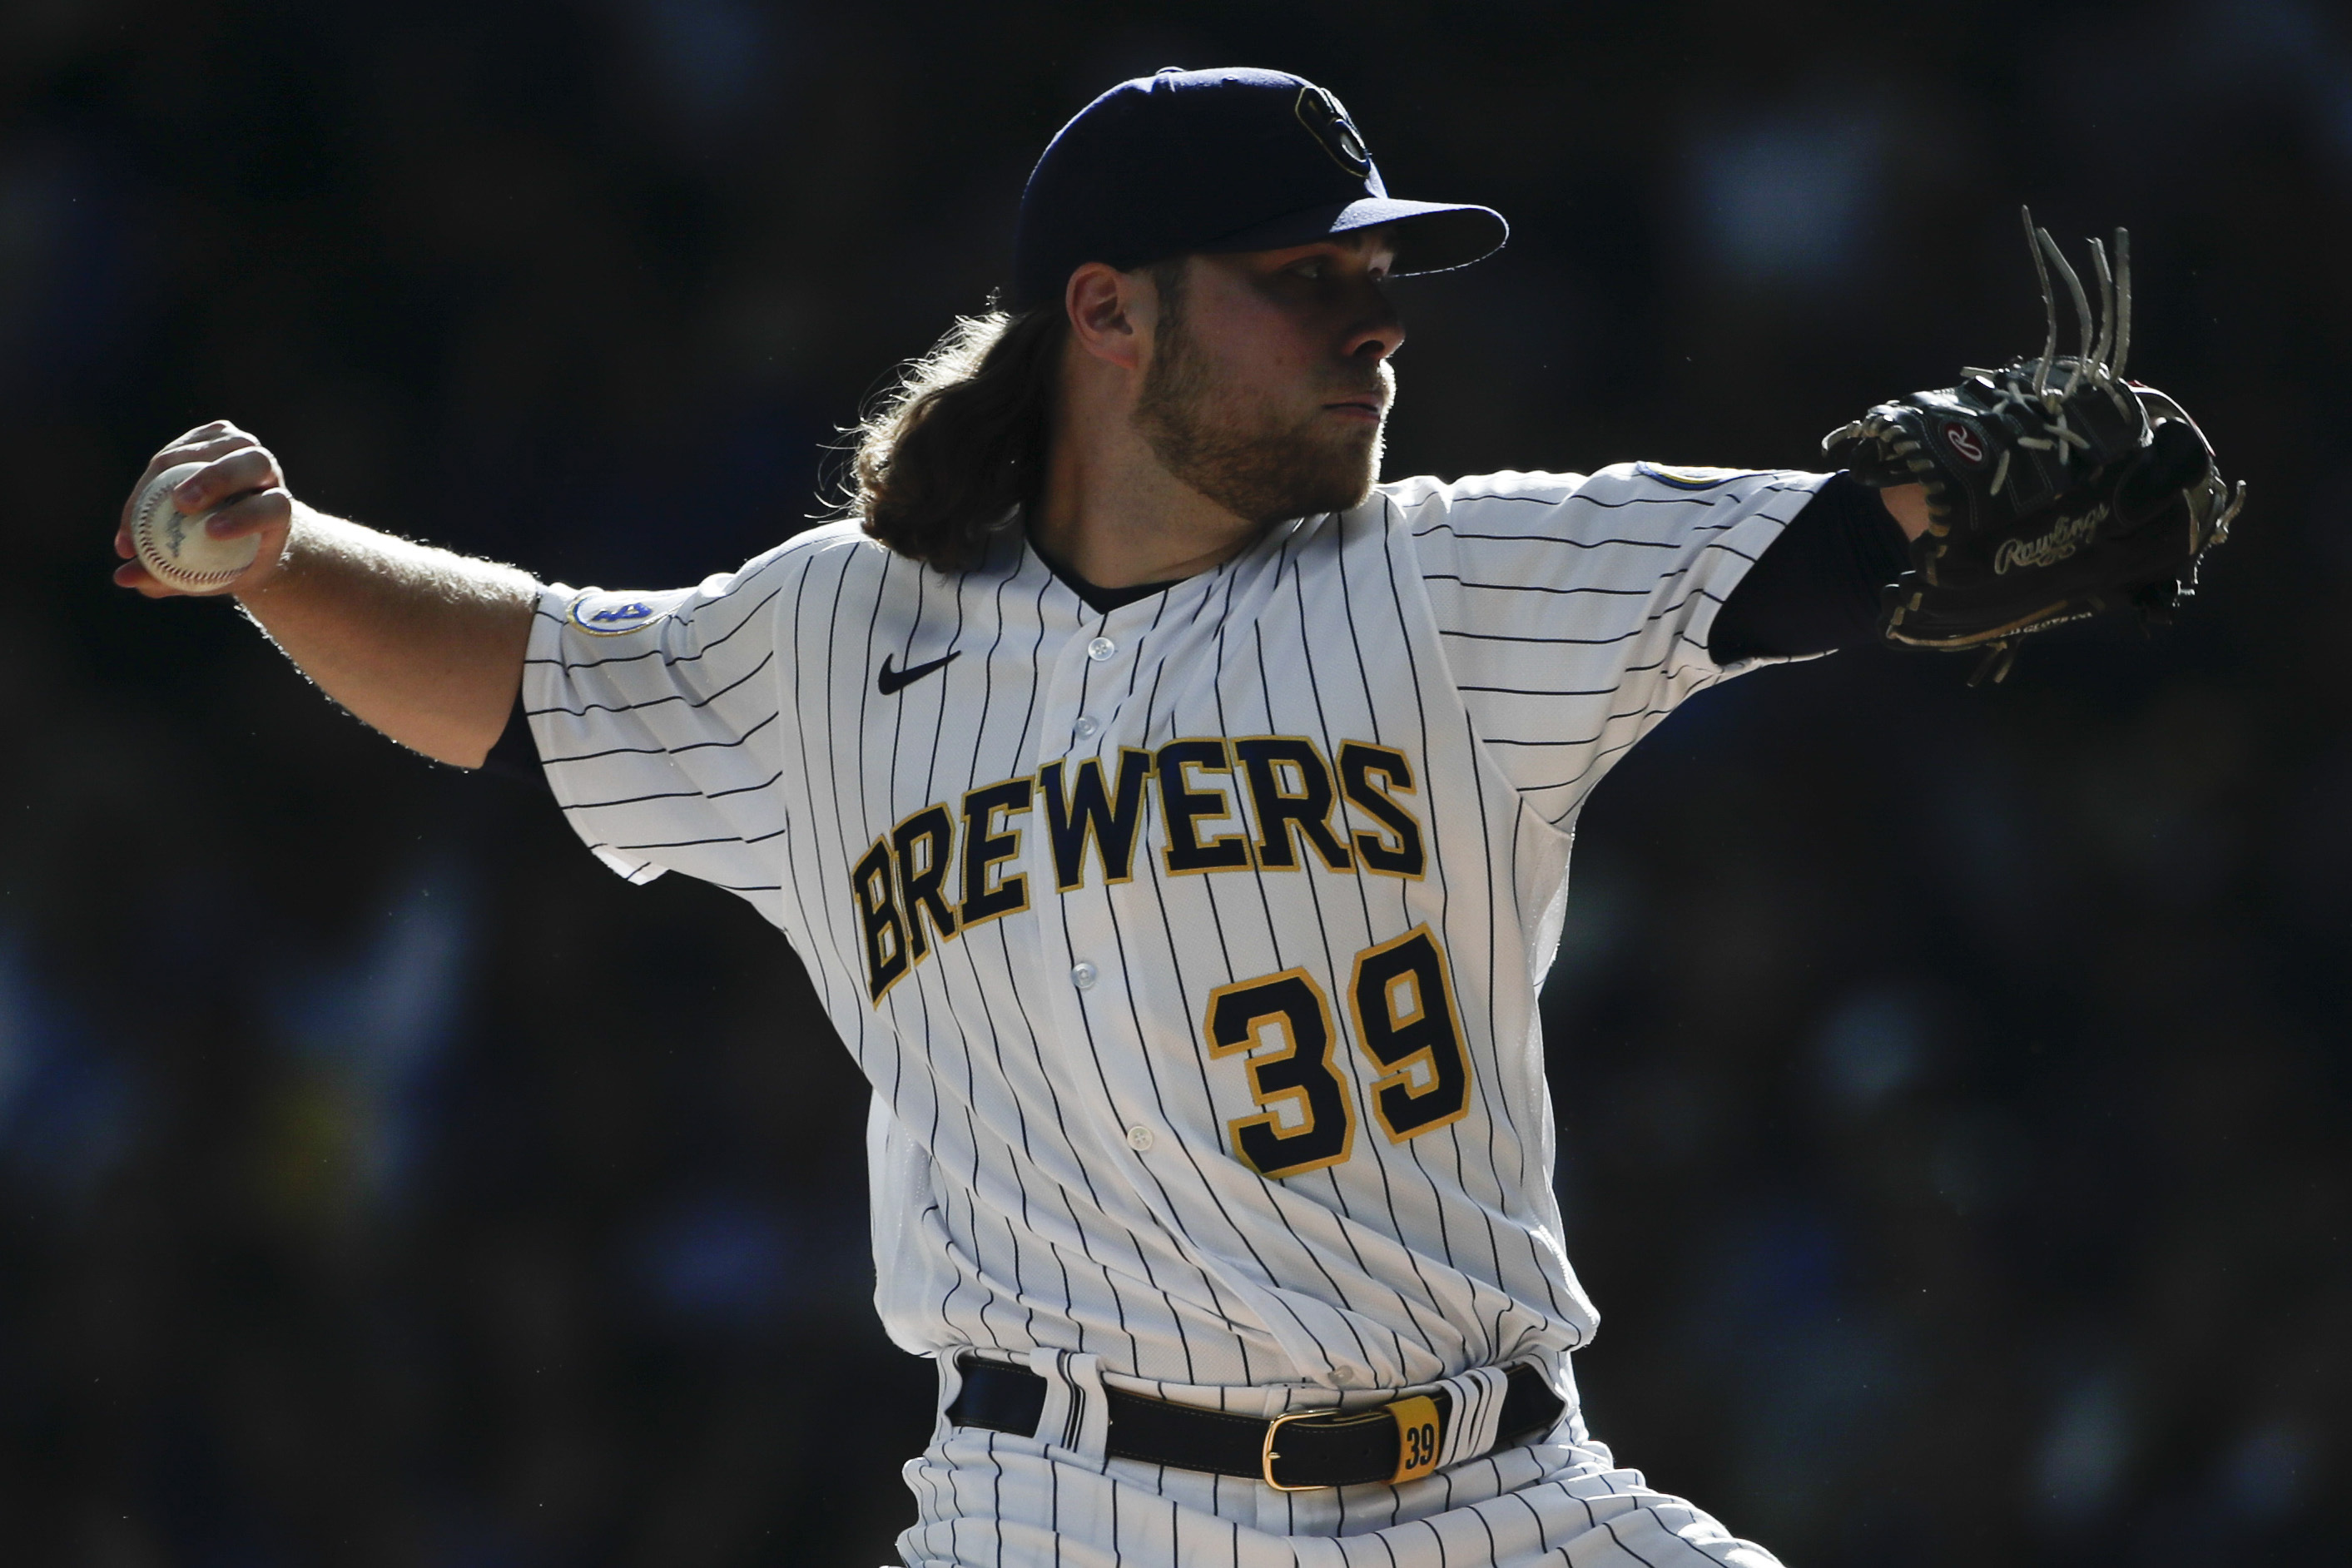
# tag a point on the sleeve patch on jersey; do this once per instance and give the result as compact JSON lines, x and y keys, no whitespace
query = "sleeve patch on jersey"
{"x":1695,"y":479}
{"x":614,"y":615}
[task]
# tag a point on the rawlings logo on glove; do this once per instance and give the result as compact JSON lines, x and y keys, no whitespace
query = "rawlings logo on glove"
{"x":2055,"y":546}
{"x":2056,"y":489}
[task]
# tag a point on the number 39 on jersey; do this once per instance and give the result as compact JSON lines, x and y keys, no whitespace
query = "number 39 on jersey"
{"x":1401,"y":1015}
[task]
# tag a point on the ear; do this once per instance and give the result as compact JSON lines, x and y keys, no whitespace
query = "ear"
{"x":1111,"y":312}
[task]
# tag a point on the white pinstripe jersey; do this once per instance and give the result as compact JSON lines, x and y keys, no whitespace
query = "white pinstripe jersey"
{"x":1192,"y":949}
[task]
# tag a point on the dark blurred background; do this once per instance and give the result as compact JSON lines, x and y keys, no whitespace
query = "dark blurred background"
{"x":1953,"y":1084}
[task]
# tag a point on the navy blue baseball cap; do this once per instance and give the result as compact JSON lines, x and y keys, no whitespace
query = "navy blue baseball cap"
{"x":1218,"y":161}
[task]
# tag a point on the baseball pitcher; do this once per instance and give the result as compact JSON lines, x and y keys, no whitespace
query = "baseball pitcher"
{"x":1175,"y":821}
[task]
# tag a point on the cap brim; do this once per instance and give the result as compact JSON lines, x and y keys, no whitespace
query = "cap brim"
{"x":1431,"y":237}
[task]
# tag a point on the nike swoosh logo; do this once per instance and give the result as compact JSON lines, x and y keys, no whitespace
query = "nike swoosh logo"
{"x":890,"y":681}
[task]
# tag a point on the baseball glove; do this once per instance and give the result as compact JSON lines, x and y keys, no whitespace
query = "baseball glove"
{"x":2056,"y":489}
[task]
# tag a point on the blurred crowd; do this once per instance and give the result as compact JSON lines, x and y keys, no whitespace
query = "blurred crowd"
{"x":1952,"y":1083}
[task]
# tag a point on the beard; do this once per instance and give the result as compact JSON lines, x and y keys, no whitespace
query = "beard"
{"x":1258,"y":462}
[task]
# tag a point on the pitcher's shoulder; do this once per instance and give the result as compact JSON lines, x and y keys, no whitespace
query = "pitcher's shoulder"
{"x":1507,"y":487}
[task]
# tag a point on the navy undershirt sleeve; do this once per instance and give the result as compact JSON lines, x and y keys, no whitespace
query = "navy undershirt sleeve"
{"x":515,"y":756}
{"x":1817,"y":587}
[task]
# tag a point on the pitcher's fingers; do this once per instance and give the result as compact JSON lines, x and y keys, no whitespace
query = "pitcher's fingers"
{"x":205,"y":451}
{"x":172,"y":456}
{"x":251,"y":514}
{"x":252,"y":468}
{"x":192,"y":448}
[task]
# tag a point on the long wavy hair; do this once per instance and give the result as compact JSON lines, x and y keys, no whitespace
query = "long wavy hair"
{"x":944,"y":458}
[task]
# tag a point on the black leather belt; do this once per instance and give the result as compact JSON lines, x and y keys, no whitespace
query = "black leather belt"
{"x":1388,"y":1443}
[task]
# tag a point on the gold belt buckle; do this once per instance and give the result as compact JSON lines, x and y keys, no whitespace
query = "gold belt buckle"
{"x":1266,"y":1456}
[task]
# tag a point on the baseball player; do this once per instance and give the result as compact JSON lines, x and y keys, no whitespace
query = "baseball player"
{"x":1175,"y":823}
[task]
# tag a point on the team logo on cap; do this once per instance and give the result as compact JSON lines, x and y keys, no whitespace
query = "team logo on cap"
{"x":1333,"y":131}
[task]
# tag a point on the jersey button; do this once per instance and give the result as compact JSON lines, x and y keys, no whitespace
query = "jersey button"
{"x":1082,"y":975}
{"x":1087,"y":726}
{"x":1101,"y":648}
{"x":1139,"y":1139}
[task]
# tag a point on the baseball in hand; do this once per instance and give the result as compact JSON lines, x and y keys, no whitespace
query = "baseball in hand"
{"x":176,"y":548}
